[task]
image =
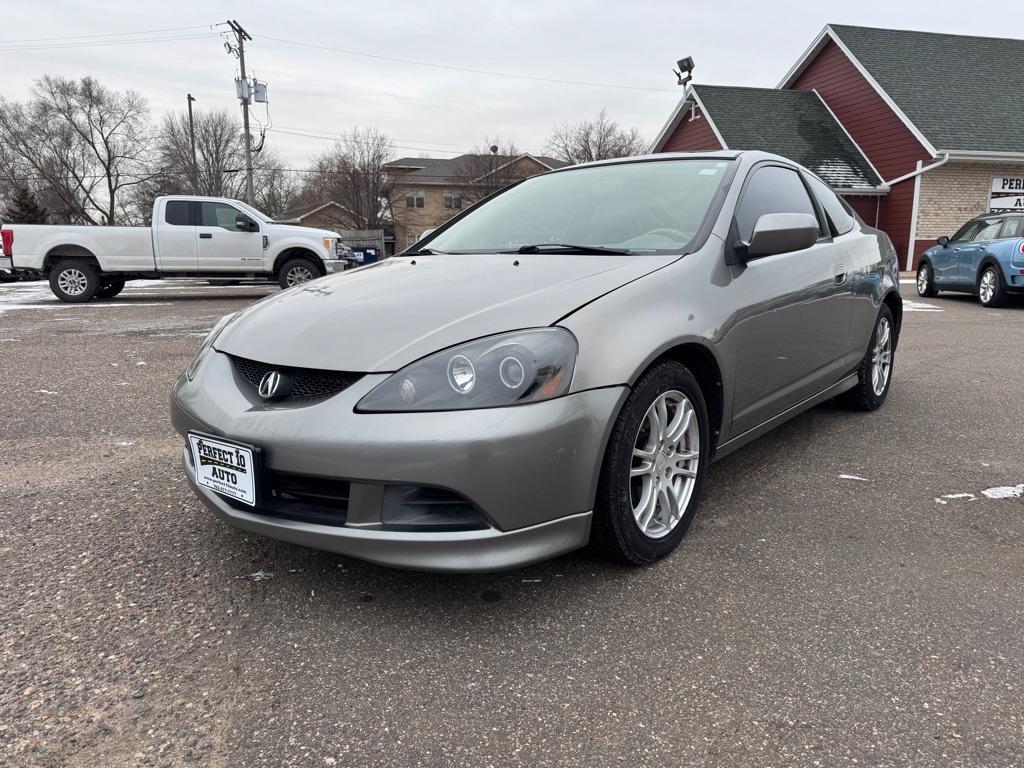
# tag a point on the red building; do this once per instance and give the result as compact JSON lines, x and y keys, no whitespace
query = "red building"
{"x":916,"y":130}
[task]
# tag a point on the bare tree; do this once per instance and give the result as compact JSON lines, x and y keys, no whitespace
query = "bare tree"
{"x":598,"y":139}
{"x":352,"y":174}
{"x":82,"y":145}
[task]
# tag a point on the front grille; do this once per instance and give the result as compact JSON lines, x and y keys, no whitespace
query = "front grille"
{"x":309,"y":383}
{"x":301,"y":498}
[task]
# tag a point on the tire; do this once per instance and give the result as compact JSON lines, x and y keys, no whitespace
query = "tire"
{"x":297,"y":271}
{"x":620,"y":510}
{"x":925,"y":281}
{"x":991,"y":289}
{"x":74,"y":281}
{"x":110,"y":287}
{"x":867,"y":395}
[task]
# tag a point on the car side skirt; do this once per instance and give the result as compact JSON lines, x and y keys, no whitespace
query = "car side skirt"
{"x":847,"y":383}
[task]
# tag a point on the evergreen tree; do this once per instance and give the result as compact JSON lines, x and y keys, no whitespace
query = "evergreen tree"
{"x":23,"y":208}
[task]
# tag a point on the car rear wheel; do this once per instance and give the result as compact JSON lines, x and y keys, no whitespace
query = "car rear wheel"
{"x":110,"y":287}
{"x":654,"y":467}
{"x":875,"y":372}
{"x":74,"y":281}
{"x":991,"y":291}
{"x":925,"y":286}
{"x":297,"y":272}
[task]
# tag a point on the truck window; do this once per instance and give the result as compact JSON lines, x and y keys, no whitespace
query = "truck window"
{"x":178,"y":213}
{"x":220,"y":215}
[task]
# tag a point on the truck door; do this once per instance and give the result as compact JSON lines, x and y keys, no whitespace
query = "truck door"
{"x":229,"y":240}
{"x":175,"y":236}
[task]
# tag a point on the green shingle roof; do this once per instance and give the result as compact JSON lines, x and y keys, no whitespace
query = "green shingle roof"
{"x":962,"y":93}
{"x":794,"y":124}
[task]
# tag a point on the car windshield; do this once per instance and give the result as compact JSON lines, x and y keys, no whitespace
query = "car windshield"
{"x":639,"y":207}
{"x":253,"y":212}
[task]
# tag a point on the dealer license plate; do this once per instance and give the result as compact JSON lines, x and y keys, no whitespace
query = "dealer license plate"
{"x":225,"y":467}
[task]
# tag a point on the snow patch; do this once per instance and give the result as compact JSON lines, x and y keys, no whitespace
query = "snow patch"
{"x":920,"y":306}
{"x":1004,"y":492}
{"x":943,"y":499}
{"x":46,"y":392}
{"x":854,"y":477}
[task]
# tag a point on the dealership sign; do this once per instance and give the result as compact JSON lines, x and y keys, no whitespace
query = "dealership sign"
{"x":1007,"y":193}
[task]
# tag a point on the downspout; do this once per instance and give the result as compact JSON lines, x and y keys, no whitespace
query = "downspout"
{"x":916,"y":176}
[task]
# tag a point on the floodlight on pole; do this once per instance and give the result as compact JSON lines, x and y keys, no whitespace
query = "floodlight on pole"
{"x":685,"y":72}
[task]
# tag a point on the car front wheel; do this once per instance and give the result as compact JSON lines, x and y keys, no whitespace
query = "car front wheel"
{"x":654,"y":467}
{"x":991,"y":291}
{"x":925,"y":286}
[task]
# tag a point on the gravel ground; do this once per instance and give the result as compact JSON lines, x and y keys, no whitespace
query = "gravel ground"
{"x":840,"y":600}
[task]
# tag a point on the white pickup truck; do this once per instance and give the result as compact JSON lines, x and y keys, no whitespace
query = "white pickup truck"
{"x":203,"y":237}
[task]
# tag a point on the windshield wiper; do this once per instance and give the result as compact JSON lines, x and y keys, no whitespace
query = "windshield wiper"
{"x":569,"y":248}
{"x":422,"y":252}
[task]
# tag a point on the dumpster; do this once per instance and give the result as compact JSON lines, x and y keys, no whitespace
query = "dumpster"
{"x":365,"y":254}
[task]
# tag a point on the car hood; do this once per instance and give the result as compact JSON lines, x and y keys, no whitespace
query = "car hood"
{"x":292,"y":229}
{"x":379,"y":318}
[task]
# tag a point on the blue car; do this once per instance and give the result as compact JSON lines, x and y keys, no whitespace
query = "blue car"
{"x":986,"y":257}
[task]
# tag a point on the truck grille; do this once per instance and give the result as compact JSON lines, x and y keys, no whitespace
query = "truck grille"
{"x":309,"y":383}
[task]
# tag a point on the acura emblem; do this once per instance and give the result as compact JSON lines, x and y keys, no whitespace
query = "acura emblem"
{"x":275,"y":385}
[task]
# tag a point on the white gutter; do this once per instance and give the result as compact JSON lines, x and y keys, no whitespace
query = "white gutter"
{"x":919,"y":171}
{"x":916,"y":176}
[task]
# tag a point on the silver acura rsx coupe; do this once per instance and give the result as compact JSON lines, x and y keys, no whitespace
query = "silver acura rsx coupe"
{"x":557,"y":365}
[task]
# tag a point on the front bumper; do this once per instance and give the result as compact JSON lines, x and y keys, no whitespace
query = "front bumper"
{"x":334,"y":265}
{"x":531,"y":470}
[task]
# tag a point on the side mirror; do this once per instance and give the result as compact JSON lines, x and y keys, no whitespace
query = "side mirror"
{"x":943,"y":241}
{"x":245,"y":224}
{"x":776,"y":233}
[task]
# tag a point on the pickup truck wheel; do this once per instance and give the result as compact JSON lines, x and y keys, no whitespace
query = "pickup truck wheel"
{"x":296,"y":272}
{"x":110,"y":287}
{"x":74,"y":281}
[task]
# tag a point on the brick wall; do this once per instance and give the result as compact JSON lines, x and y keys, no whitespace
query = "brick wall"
{"x":954,"y":193}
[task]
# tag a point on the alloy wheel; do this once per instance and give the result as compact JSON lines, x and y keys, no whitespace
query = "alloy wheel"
{"x":881,"y":356}
{"x":663,"y":472}
{"x":922,"y":280}
{"x":987,"y":289}
{"x":73,"y":282}
{"x":298,"y":275}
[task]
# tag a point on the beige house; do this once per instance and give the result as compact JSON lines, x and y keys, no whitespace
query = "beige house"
{"x":322,"y":215}
{"x":429,"y":191}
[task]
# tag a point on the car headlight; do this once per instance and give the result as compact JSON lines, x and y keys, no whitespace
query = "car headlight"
{"x":508,"y":369}
{"x":207,"y":345}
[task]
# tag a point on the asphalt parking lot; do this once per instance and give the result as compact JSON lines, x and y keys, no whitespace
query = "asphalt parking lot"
{"x":850,"y":593}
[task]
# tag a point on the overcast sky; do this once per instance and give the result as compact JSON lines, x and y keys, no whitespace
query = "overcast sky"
{"x":439,"y":111}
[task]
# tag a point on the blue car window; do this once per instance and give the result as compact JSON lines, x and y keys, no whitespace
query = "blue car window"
{"x":965,"y":232}
{"x":989,"y":231}
{"x":1012,"y":227}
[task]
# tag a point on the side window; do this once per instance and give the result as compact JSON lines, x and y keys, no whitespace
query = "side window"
{"x":989,"y":230}
{"x":772,"y":189}
{"x":965,"y":232}
{"x":414,"y":198}
{"x":220,"y":215}
{"x":842,"y":222}
{"x":178,"y":213}
{"x":1013,"y":226}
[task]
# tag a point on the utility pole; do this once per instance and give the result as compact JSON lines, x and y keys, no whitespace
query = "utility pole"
{"x":240,"y":37}
{"x":192,"y":140}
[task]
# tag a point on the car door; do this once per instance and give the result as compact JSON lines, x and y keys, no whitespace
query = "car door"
{"x":946,"y":260}
{"x":969,"y":255}
{"x":176,"y":248}
{"x":793,"y":309}
{"x":222,"y":245}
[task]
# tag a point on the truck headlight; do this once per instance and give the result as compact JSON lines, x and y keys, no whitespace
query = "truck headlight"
{"x":507,"y":369}
{"x":207,"y":345}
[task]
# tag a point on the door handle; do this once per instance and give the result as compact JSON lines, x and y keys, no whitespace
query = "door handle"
{"x":205,"y":236}
{"x":839,"y":274}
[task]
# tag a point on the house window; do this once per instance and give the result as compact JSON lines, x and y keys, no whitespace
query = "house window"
{"x":410,"y":240}
{"x":414,"y":198}
{"x":453,"y":200}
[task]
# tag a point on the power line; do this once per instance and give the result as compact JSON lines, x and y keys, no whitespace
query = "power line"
{"x":471,"y":70}
{"x":105,"y":34}
{"x":107,"y":43}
